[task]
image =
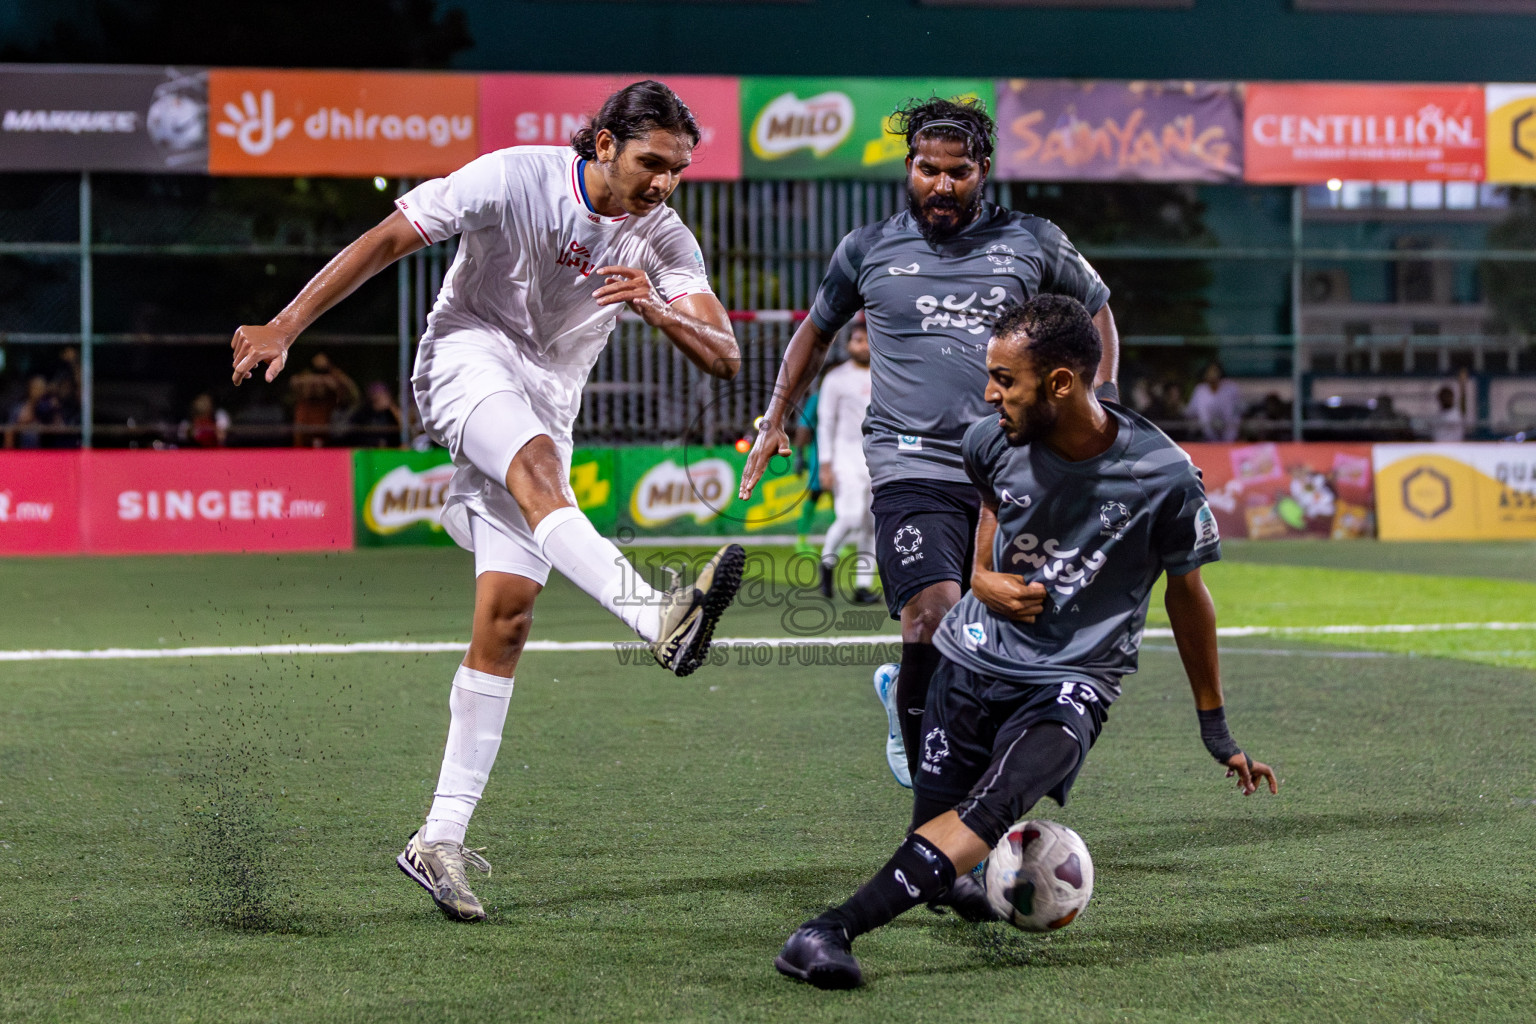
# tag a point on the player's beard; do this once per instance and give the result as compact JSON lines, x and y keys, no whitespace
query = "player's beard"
{"x":1039,"y":420}
{"x":933,"y":231}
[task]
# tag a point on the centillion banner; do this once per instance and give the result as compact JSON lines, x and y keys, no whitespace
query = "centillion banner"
{"x":1455,"y":491}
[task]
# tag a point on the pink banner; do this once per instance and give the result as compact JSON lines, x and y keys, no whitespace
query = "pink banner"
{"x":131,"y":502}
{"x":1270,"y":491}
{"x":545,"y":110}
{"x":39,"y":503}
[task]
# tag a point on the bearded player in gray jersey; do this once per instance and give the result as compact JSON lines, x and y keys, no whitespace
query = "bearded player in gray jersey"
{"x":1084,"y":505}
{"x":930,"y":280}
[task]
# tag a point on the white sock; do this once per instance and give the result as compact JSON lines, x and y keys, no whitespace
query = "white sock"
{"x":572,"y":544}
{"x":478,"y":709}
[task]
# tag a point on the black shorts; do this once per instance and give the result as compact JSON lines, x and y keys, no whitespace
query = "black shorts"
{"x":969,"y":729}
{"x":925,"y":531}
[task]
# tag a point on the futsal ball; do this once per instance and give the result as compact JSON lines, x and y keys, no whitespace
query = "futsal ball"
{"x":1039,"y":876}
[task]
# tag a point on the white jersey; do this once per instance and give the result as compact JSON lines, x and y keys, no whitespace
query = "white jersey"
{"x":840,"y":414}
{"x":530,"y":244}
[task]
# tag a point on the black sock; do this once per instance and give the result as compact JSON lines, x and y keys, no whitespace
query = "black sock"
{"x":917,"y":873}
{"x":917,"y":664}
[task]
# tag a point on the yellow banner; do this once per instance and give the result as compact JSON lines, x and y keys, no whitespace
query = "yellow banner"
{"x":1511,"y":130}
{"x":1455,"y":491}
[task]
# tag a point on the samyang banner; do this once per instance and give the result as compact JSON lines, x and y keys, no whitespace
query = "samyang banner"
{"x":835,"y":127}
{"x":84,"y":118}
{"x":340,"y":123}
{"x":1273,"y":491}
{"x":1304,"y":134}
{"x":546,"y":110}
{"x":1053,"y":130}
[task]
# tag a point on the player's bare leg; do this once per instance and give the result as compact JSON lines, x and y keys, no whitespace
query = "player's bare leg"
{"x":678,"y":622}
{"x":435,"y":856}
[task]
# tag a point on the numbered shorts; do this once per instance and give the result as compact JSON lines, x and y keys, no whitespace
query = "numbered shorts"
{"x":973,"y":724}
{"x":924,"y":532}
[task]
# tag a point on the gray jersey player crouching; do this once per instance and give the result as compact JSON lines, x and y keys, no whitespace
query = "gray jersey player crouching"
{"x":1084,"y":505}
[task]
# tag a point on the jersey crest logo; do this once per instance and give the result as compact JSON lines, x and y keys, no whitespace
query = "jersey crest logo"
{"x":1115,"y":517}
{"x":909,"y":443}
{"x":908,"y":539}
{"x":1000,"y":254}
{"x":897,"y":271}
{"x":578,"y":256}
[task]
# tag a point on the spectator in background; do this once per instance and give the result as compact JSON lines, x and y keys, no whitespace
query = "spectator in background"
{"x":376,"y":422}
{"x":1450,"y":423}
{"x":39,"y":409}
{"x":205,"y":425}
{"x":1273,"y":416}
{"x":1165,"y":407}
{"x":318,"y":394}
{"x":1216,"y":405}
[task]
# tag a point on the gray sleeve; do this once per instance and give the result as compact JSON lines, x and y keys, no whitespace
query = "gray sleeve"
{"x":838,"y":298}
{"x":1184,"y":533}
{"x":979,"y":449}
{"x":1066,"y":271}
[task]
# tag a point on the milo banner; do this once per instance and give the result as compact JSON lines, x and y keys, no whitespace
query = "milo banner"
{"x":1456,"y":491}
{"x":1275,"y":491}
{"x":399,"y":495}
{"x":681,"y":492}
{"x":834,"y":127}
{"x":1051,"y":130}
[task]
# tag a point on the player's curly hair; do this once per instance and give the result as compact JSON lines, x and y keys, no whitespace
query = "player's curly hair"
{"x":976,"y":128}
{"x":1061,"y":333}
{"x":637,"y":110}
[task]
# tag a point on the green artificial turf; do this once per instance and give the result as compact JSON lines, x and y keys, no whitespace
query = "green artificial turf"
{"x":212,"y":839}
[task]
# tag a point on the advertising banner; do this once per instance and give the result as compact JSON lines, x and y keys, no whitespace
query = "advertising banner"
{"x":834,"y":127}
{"x":1511,"y":112}
{"x":1456,"y":491}
{"x":39,"y":503}
{"x":340,"y":123}
{"x":81,"y":118}
{"x":185,"y":501}
{"x":398,"y":495}
{"x":546,"y":110}
{"x":1052,"y":130}
{"x":1273,"y":491}
{"x":683,"y":492}
{"x":1304,"y":134}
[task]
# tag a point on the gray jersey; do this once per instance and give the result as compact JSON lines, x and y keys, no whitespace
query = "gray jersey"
{"x":929,"y":310}
{"x":1097,"y":534}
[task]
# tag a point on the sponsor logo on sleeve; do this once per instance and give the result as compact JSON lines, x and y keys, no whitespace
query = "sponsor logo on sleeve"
{"x":909,"y":443}
{"x":1205,"y":526}
{"x":975,"y":634}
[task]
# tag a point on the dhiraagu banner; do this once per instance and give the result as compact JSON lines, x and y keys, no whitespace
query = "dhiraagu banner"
{"x":399,"y":495}
{"x":1455,"y":491}
{"x":835,"y":127}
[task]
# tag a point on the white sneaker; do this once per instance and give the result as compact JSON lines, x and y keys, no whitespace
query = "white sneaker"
{"x":895,"y":750}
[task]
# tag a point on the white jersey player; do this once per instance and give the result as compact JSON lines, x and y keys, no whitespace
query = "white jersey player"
{"x":840,"y":443}
{"x":553,"y":242}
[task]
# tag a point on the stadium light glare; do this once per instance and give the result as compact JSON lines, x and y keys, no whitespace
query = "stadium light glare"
{"x":380,"y":183}
{"x":1335,"y":185}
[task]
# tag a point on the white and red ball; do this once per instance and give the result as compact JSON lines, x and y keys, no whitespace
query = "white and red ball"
{"x":1039,"y":877}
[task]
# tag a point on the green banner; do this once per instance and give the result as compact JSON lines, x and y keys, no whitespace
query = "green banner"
{"x":687,"y":492}
{"x":399,"y":494}
{"x":835,"y":127}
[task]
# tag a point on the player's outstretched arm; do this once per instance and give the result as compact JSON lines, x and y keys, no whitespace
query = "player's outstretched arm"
{"x":253,"y":345}
{"x":697,"y":324}
{"x":802,"y":359}
{"x":1109,"y":334}
{"x":1192,"y":614}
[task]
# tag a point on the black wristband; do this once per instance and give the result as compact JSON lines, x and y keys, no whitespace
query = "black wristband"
{"x":1214,"y":734}
{"x":1109,"y":391}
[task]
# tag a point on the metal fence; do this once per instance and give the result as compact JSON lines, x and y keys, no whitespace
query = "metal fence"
{"x":89,"y":246}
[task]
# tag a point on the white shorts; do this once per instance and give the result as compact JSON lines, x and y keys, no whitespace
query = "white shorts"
{"x":482,"y":400}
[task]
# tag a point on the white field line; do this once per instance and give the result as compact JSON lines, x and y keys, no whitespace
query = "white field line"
{"x":557,"y":646}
